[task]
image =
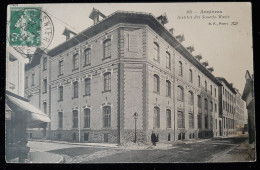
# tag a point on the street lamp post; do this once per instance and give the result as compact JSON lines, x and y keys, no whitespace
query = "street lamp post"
{"x":135,"y":117}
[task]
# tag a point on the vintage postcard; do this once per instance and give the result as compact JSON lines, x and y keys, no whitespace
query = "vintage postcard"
{"x":129,"y":83}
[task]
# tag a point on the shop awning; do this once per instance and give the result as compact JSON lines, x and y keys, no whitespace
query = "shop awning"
{"x":34,"y":117}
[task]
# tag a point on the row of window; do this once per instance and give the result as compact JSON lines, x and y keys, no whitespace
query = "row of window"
{"x":180,"y":118}
{"x":228,"y":107}
{"x":228,"y":95}
{"x":87,"y":118}
{"x":180,"y":72}
{"x":156,"y":55}
{"x":87,"y":82}
{"x":168,"y":89}
{"x":87,"y":57}
{"x":228,"y":123}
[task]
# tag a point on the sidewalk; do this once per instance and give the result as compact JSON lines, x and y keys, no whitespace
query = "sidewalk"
{"x":238,"y":153}
{"x":111,"y":145}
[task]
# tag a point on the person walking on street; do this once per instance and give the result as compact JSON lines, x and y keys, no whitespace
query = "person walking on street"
{"x":153,"y":138}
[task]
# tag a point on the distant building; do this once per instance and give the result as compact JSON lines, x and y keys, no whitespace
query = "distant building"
{"x":228,"y":106}
{"x":249,"y":97}
{"x":92,"y":84}
{"x":239,"y":112}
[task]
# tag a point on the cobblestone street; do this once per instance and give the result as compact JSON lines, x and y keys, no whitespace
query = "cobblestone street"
{"x":207,"y":150}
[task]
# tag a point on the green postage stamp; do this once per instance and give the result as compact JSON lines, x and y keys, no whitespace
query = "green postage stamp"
{"x":25,"y":26}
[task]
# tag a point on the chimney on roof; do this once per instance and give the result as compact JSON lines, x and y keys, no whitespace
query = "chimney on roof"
{"x":180,"y":38}
{"x":211,"y":69}
{"x":95,"y":14}
{"x":198,"y":57}
{"x":171,"y":30}
{"x":205,"y":63}
{"x":67,"y":32}
{"x":163,"y":19}
{"x":231,"y":84}
{"x":190,"y":49}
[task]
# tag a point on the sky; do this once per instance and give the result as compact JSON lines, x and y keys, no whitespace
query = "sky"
{"x":226,"y":47}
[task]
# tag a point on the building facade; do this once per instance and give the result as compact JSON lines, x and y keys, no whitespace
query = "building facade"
{"x":228,"y":106}
{"x":249,"y":97}
{"x":19,"y":113}
{"x":92,"y":84}
{"x":239,"y":113}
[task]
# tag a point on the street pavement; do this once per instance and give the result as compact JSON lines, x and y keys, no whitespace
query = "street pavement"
{"x":233,"y":149}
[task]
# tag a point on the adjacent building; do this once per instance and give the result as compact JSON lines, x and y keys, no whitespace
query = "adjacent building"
{"x":92,"y":84}
{"x":249,"y":97}
{"x":19,"y":113}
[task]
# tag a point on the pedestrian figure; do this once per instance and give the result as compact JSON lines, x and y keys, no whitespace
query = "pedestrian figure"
{"x":153,"y":138}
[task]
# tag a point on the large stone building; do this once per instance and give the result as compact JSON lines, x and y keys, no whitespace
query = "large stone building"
{"x":92,"y":84}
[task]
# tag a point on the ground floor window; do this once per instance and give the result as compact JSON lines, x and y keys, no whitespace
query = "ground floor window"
{"x":74,"y":136}
{"x":86,"y":136}
{"x":169,"y":137}
{"x":105,"y":137}
{"x":59,"y":136}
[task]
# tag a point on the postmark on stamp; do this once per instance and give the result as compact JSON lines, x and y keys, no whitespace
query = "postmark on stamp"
{"x":29,"y":28}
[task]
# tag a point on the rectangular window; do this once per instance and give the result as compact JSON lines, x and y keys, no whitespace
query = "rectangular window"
{"x":180,"y":119}
{"x":75,"y":119}
{"x":60,"y":120}
{"x":87,"y":57}
{"x":198,"y":81}
{"x":199,"y":101}
{"x":107,"y":116}
{"x":215,"y":92}
{"x":168,"y":88}
{"x":75,"y":61}
{"x":33,"y":75}
{"x":107,"y":48}
{"x":44,"y":63}
{"x":106,"y":137}
{"x":60,"y":67}
{"x":61,"y":93}
{"x":211,"y":122}
{"x":168,"y":60}
{"x":191,"y":120}
{"x":168,"y":118}
{"x":156,"y":118}
{"x":75,"y":90}
{"x":199,"y":120}
{"x":45,"y":86}
{"x":87,"y":118}
{"x":190,"y":75}
{"x":45,"y":107}
{"x":179,"y":94}
{"x":86,"y":136}
{"x":107,"y":81}
{"x":206,"y":121}
{"x":206,"y":104}
{"x":216,"y":123}
{"x":216,"y":108}
{"x":87,"y":86}
{"x":156,"y":82}
{"x":155,"y":51}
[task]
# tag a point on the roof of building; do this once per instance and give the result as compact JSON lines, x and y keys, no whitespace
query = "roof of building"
{"x":133,"y":18}
{"x":248,"y":86}
{"x":35,"y":59}
{"x":222,"y":79}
